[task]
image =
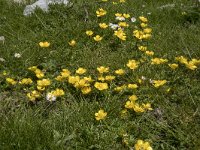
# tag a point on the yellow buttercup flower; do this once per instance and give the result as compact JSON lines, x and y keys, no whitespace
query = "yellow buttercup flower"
{"x":157,"y":61}
{"x":132,"y":64}
{"x":89,"y":32}
{"x":150,"y":53}
{"x":133,"y":98}
{"x":103,"y":69}
{"x":191,"y":66}
{"x":126,"y":15}
{"x":142,"y":48}
{"x":173,"y":66}
{"x":123,"y":24}
{"x":138,"y":108}
{"x":103,"y":25}
{"x":141,"y":145}
{"x":147,"y":30}
{"x":158,"y":83}
{"x":43,"y":82}
{"x":73,"y":79}
{"x":81,"y":71}
{"x":72,"y":43}
{"x":147,"y":106}
{"x":11,"y":81}
{"x":120,"y":72}
{"x":129,"y":105}
{"x":143,"y":25}
{"x":44,"y":44}
{"x":98,"y":38}
{"x":132,"y":86}
{"x":143,"y":19}
{"x":58,"y":92}
{"x":101,"y":86}
{"x":109,"y":78}
{"x":86,"y":90}
{"x":39,"y":74}
{"x":101,"y":12}
{"x":33,"y":95}
{"x":118,"y":15}
{"x":100,"y":115}
{"x":26,"y":81}
{"x":120,"y":34}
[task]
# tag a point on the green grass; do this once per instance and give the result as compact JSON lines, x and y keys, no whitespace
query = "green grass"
{"x":69,"y":123}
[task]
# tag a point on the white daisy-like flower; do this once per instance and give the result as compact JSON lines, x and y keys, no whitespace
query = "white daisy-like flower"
{"x":113,"y":26}
{"x":143,"y":78}
{"x":17,"y":55}
{"x":120,"y":18}
{"x":2,"y":59}
{"x":133,"y":19}
{"x":50,"y":97}
{"x":151,"y":81}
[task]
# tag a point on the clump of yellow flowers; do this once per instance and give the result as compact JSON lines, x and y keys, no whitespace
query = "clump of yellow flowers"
{"x":100,"y":115}
{"x":142,"y":145}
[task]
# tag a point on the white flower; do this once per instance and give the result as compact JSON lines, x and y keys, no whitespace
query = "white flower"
{"x":120,"y":18}
{"x":17,"y":55}
{"x":133,"y":19}
{"x":143,"y":78}
{"x":113,"y":26}
{"x":2,"y":60}
{"x":151,"y":81}
{"x":50,"y":97}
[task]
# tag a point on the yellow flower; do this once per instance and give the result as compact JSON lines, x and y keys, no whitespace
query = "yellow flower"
{"x":101,"y":12}
{"x":39,"y":74}
{"x":118,"y":15}
{"x":109,"y":78}
{"x":138,"y":108}
{"x":132,"y":86}
{"x":157,"y":61}
{"x":103,"y":25}
{"x":142,"y":48}
{"x":65,"y":73}
{"x":89,"y":32}
{"x":123,"y":24}
{"x":120,"y":34}
{"x":58,"y":92}
{"x":81,"y":83}
{"x":44,"y":44}
{"x":158,"y":83}
{"x":101,"y":86}
{"x":143,"y":19}
{"x":150,"y":53}
{"x":103,"y":69}
{"x":86,"y":90}
{"x":122,"y":1}
{"x":88,"y":79}
{"x":191,"y":66}
{"x":73,"y":79}
{"x":98,"y":38}
{"x":133,"y":98}
{"x":43,"y":82}
{"x":182,"y":59}
{"x":11,"y":81}
{"x":33,"y":95}
{"x":72,"y":43}
{"x":26,"y":81}
{"x":141,"y":145}
{"x":147,"y":30}
{"x":138,"y":34}
{"x":100,"y":115}
{"x":40,"y":88}
{"x":143,"y":25}
{"x":129,"y":105}
{"x":33,"y":68}
{"x":173,"y":66}
{"x":132,"y":64}
{"x":81,"y":71}
{"x":126,"y":15}
{"x":120,"y":72}
{"x":104,"y":0}
{"x":147,"y":106}
{"x":120,"y":88}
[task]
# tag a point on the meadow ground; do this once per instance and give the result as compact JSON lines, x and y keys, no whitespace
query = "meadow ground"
{"x":153,"y":102}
